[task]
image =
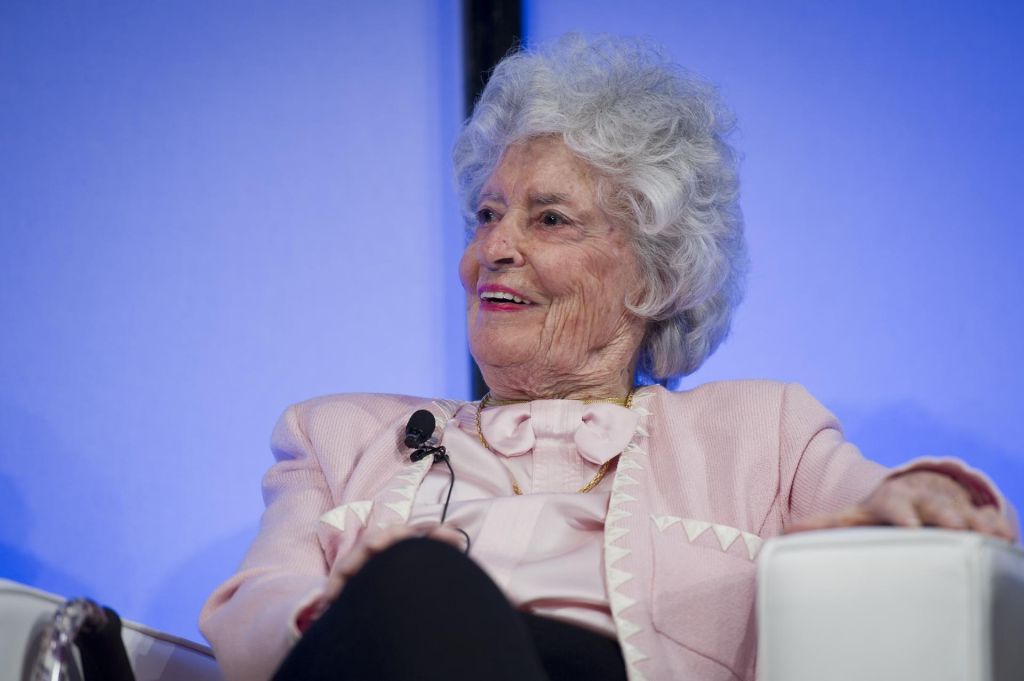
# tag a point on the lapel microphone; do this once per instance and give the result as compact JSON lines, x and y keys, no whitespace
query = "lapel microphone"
{"x":419,"y":437}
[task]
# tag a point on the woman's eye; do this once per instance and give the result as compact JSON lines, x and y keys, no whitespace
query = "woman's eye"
{"x":484,"y":216}
{"x":550,"y":219}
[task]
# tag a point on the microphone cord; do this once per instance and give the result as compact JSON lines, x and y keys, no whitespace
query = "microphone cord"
{"x":448,"y":498}
{"x":440,"y":454}
{"x":451,"y":486}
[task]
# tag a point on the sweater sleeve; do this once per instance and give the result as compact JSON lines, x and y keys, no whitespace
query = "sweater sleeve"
{"x":250,"y":619}
{"x":820,"y":472}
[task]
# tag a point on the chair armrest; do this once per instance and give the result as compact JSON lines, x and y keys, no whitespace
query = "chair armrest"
{"x":154,"y":655}
{"x":890,"y":604}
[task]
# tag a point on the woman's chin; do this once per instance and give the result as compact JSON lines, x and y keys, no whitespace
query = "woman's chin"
{"x":501,"y":353}
{"x":496,"y":359}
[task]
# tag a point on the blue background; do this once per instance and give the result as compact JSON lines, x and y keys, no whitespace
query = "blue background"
{"x":211,"y":210}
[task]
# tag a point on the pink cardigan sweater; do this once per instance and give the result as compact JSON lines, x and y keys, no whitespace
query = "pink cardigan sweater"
{"x":711,"y":473}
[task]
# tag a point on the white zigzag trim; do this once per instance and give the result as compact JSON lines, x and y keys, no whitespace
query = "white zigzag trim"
{"x":402,"y":508}
{"x":618,"y":601}
{"x":409,"y":491}
{"x":725,"y":534}
{"x":617,"y":514}
{"x":617,"y":577}
{"x":614,"y":554}
{"x":361,"y":509}
{"x":695,"y":528}
{"x":337,"y":515}
{"x":625,"y":479}
{"x":633,"y":448}
{"x":613,"y":533}
{"x":632,"y":653}
{"x":753,"y":543}
{"x":626,"y":629}
{"x":665,"y":521}
{"x":629,"y":464}
{"x":621,"y":497}
{"x":412,"y":477}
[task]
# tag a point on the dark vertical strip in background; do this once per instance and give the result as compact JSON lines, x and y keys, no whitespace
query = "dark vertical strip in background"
{"x":490,"y":29}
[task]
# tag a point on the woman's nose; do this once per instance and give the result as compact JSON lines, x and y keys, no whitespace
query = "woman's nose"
{"x":501,"y":243}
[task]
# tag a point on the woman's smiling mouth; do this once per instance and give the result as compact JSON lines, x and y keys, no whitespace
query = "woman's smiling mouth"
{"x":500,"y":298}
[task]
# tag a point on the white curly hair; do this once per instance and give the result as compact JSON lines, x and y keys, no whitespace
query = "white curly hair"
{"x":657,"y":137}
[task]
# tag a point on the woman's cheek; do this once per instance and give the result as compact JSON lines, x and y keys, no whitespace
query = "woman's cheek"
{"x":469,"y":271}
{"x":570,"y":327}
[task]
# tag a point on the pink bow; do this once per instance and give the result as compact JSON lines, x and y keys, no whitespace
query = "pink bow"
{"x":600,"y":430}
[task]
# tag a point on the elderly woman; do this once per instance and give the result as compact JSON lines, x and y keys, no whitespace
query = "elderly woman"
{"x":595,"y":524}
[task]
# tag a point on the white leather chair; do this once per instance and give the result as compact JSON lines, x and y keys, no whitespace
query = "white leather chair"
{"x":888,"y":604}
{"x":154,"y":656}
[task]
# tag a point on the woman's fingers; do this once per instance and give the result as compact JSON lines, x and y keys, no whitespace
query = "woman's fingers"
{"x":916,"y":499}
{"x":940,"y":512}
{"x":382,"y":539}
{"x":372,"y":542}
{"x":377,"y":540}
{"x":893,"y":508}
{"x":988,"y":520}
{"x":449,"y":535}
{"x":349,"y":564}
{"x":984,"y":520}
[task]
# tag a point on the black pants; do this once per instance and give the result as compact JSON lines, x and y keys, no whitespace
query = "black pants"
{"x":422,"y":610}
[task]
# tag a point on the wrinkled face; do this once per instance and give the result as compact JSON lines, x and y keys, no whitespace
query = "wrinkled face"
{"x":546,"y":274}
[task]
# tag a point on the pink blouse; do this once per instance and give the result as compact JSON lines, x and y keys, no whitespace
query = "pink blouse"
{"x":544,"y":549}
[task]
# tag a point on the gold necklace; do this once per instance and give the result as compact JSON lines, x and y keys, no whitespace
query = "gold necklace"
{"x":594,"y":481}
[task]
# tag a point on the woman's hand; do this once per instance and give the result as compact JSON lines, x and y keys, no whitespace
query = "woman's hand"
{"x":914,"y":499}
{"x":377,"y":540}
{"x":372,"y":542}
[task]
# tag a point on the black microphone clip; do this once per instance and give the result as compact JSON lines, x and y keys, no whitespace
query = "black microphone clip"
{"x":439,"y":453}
